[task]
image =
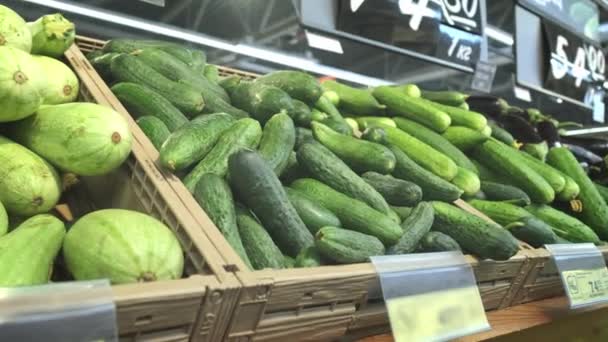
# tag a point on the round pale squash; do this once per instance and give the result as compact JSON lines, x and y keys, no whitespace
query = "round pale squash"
{"x":14,"y":31}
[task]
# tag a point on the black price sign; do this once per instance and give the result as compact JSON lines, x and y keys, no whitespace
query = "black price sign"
{"x":574,"y":64}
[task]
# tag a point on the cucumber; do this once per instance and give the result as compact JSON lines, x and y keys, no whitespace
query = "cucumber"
{"x":102,"y":64}
{"x":461,"y":117}
{"x":500,"y":158}
{"x":289,"y":261}
{"x":449,"y":98}
{"x":193,"y":141}
{"x":564,"y":225}
{"x":570,"y":191}
{"x":261,"y":250}
{"x":410,"y":90}
{"x":436,"y":141}
{"x":353,"y":100}
{"x":141,"y":100}
{"x":331,"y":96}
{"x":501,"y":212}
{"x":395,"y":191}
{"x":551,"y":175}
{"x":464,"y":138}
{"x":464,"y":106}
{"x":603,"y":191}
{"x":212,"y":73}
{"x":131,"y":45}
{"x":487,"y":175}
{"x":487,"y":131}
{"x":261,"y":101}
{"x":474,"y":234}
{"x":415,"y":226}
{"x":538,"y":151}
{"x":501,"y":134}
{"x":194,"y":59}
{"x":562,"y":240}
{"x":346,"y":246}
{"x":334,"y":119}
{"x":437,"y":242}
{"x":229,"y":83}
{"x":467,"y":181}
{"x":325,"y":166}
{"x":301,"y":114}
{"x":366,"y":122}
{"x":413,"y":108}
{"x":259,"y":188}
{"x":245,"y":133}
{"x":297,"y":84}
{"x":308,"y":257}
{"x":595,"y":210}
{"x":213,"y":195}
{"x":359,"y":154}
{"x":354,"y":126}
{"x":338,"y":125}
{"x":127,"y":68}
{"x":402,"y":212}
{"x":354,"y":214}
{"x":154,"y":129}
{"x":278,"y":140}
{"x":502,"y":192}
{"x":423,"y":154}
{"x":303,"y":135}
{"x":293,"y":170}
{"x":312,"y":214}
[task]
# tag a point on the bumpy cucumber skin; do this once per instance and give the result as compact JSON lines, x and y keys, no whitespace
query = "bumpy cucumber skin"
{"x":535,"y":232}
{"x":261,"y":250}
{"x":467,"y":181}
{"x":261,"y":101}
{"x":308,"y":257}
{"x":347,"y":246}
{"x":448,"y":98}
{"x":297,"y":84}
{"x":501,"y":212}
{"x":415,"y":226}
{"x":154,"y":129}
{"x":564,"y":225}
{"x":437,"y":242}
{"x":503,"y":192}
{"x":355,"y":101}
{"x":551,"y":175}
{"x":278,"y":140}
{"x":463,"y":137}
{"x":314,"y":215}
{"x":395,"y":191}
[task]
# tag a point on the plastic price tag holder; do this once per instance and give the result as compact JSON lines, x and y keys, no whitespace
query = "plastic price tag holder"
{"x":483,"y":78}
{"x":58,"y":312}
{"x":430,"y":296}
{"x":583,"y":272}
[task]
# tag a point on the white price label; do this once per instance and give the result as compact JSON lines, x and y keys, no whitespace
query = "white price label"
{"x":454,"y":12}
{"x":587,"y":64}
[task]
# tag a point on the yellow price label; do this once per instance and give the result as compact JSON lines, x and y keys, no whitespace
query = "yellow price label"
{"x":437,"y":316}
{"x":586,"y":286}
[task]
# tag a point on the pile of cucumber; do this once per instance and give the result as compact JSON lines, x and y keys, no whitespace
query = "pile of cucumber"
{"x":297,"y":173}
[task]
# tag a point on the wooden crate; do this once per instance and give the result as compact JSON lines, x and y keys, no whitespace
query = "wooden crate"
{"x":544,"y":281}
{"x":317,"y":303}
{"x":161,"y":311}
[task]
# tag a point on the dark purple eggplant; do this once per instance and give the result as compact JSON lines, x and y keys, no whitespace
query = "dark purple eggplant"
{"x":584,"y":155}
{"x":490,"y":106}
{"x":548,"y":132}
{"x":521,"y":129}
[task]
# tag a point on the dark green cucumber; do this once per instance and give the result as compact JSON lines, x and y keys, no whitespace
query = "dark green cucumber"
{"x":564,"y":225}
{"x":359,"y":154}
{"x":308,"y":257}
{"x":293,"y":170}
{"x":193,"y":141}
{"x":301,"y":114}
{"x":467,"y":181}
{"x":261,"y":101}
{"x":461,"y":117}
{"x":449,"y":98}
{"x":436,"y":141}
{"x":229,"y":83}
{"x":501,"y":134}
{"x":141,"y":100}
{"x":314,"y":215}
{"x":474,"y":234}
{"x":502,"y":192}
{"x":155,"y":129}
{"x":194,"y":59}
{"x":353,"y":213}
{"x":278,"y":140}
{"x":561,"y":240}
{"x":353,"y":100}
{"x":212,"y":73}
{"x":550,"y":174}
{"x":464,"y":138}
{"x":94,"y":54}
{"x":603,"y":191}
{"x":303,"y":135}
{"x":102,"y":64}
{"x":297,"y":84}
{"x":259,"y":188}
{"x":487,"y":175}
{"x":213,"y":195}
{"x":261,"y":250}
{"x":325,"y":166}
{"x":595,"y":210}
{"x":415,"y":226}
{"x":437,"y":242}
{"x":402,"y":212}
{"x":338,"y":125}
{"x":502,"y":159}
{"x":413,"y":108}
{"x":395,"y":191}
{"x":243,"y":134}
{"x":346,"y":246}
{"x":334,"y":119}
{"x":289,"y":261}
{"x":127,"y":68}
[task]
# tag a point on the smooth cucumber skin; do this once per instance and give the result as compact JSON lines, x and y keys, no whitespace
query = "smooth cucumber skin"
{"x":213,"y":194}
{"x":503,"y":192}
{"x":278,"y":140}
{"x":436,"y":141}
{"x":395,"y":191}
{"x":366,"y":122}
{"x":564,"y":225}
{"x":467,"y":181}
{"x":464,"y":138}
{"x":448,"y":98}
{"x":191,"y":142}
{"x":261,"y":101}
{"x":212,"y":73}
{"x":346,"y":246}
{"x":534,"y":231}
{"x":243,"y":134}
{"x":423,"y":154}
{"x":261,"y":250}
{"x":501,"y":134}
{"x":501,"y":212}
{"x":297,"y":84}
{"x":500,"y":158}
{"x":3,"y":220}
{"x":570,"y":191}
{"x":551,"y":175}
{"x":353,"y":100}
{"x":308,"y":257}
{"x":28,"y":184}
{"x":433,"y":187}
{"x":312,"y":214}
{"x":325,"y":166}
{"x":154,"y":129}
{"x":123,"y":246}
{"x":461,"y":117}
{"x":413,"y":108}
{"x":437,"y":242}
{"x":595,"y":210}
{"x":27,"y":253}
{"x":259,"y":188}
{"x":474,"y":234}
{"x":602,"y":190}
{"x":415,"y":226}
{"x":141,"y":100}
{"x":359,"y":154}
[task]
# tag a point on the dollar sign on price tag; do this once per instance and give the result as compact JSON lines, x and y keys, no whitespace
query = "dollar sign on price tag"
{"x":430,"y":296}
{"x":583,"y":272}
